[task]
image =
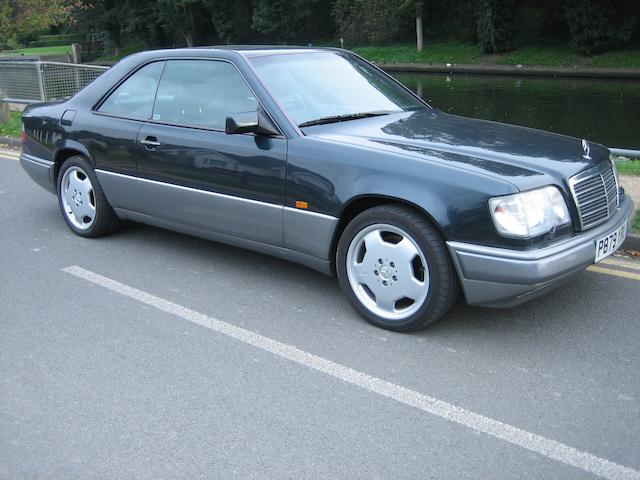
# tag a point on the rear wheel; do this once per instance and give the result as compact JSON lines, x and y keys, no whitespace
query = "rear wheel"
{"x":394,"y":268}
{"x":82,"y":202}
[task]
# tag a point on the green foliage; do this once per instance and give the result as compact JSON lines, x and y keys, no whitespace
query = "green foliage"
{"x":599,"y":25}
{"x":452,"y":28}
{"x":12,"y":126}
{"x":628,"y":167}
{"x":495,"y":25}
{"x":279,"y":19}
{"x":232,"y":19}
{"x":21,"y":21}
{"x":41,"y":51}
{"x":368,"y":21}
{"x":434,"y":52}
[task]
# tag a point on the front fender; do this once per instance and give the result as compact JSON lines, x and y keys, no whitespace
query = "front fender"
{"x":330,"y":177}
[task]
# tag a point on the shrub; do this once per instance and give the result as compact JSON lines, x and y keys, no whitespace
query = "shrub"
{"x":368,"y":21}
{"x":598,"y":25}
{"x":495,"y":25}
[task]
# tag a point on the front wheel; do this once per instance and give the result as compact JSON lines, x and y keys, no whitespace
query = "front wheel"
{"x":394,"y":268}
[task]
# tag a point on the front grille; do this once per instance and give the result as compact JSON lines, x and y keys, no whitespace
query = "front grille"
{"x":595,"y":192}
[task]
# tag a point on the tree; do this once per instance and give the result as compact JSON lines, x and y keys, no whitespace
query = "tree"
{"x":185,"y":19}
{"x":599,"y":25}
{"x":495,"y":24}
{"x":368,"y":21}
{"x":416,"y":7}
{"x":21,"y":19}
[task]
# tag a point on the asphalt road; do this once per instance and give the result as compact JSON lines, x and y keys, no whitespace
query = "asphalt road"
{"x":149,"y":354}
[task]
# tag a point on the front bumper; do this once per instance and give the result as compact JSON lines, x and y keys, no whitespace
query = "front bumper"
{"x":40,"y":170}
{"x":500,"y":277}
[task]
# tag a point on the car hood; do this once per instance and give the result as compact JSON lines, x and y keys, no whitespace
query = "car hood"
{"x":521,"y":154}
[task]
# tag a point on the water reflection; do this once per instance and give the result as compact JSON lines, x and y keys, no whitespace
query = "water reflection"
{"x":602,"y":110}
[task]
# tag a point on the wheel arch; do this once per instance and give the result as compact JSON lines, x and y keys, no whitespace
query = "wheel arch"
{"x":361,"y":203}
{"x":65,"y":150}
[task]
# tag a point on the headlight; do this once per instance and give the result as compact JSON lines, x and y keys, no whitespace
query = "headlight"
{"x":529,"y":214}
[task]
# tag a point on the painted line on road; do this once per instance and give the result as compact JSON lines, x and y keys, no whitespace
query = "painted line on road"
{"x":618,"y":262}
{"x":514,"y":435}
{"x":615,"y":273}
{"x":9,"y":156}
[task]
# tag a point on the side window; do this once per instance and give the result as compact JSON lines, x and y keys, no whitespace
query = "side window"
{"x":134,"y":98}
{"x":201,"y":93}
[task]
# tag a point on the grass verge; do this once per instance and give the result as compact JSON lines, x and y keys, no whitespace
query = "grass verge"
{"x":461,"y":53}
{"x":12,"y":127}
{"x":635,"y":225}
{"x":628,"y":167}
{"x":436,"y":52}
{"x":58,"y":50}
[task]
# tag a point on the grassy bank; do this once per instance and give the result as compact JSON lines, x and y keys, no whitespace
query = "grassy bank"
{"x":460,"y":53}
{"x":628,"y":167}
{"x":59,"y":50}
{"x":12,"y":127}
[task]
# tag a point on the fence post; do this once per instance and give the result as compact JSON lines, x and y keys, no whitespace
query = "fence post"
{"x":4,"y":107}
{"x":76,"y":52}
{"x":39,"y":75}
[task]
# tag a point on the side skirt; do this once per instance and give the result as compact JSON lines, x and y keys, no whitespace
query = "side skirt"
{"x":322,"y":266}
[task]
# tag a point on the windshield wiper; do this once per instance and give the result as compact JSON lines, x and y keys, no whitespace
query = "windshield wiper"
{"x":343,"y":118}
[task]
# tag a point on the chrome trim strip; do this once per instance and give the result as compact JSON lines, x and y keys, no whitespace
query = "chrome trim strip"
{"x":309,"y":212}
{"x":41,"y":162}
{"x":303,"y":231}
{"x":190,"y":189}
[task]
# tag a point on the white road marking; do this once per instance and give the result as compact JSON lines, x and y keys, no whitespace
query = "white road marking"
{"x":514,"y":435}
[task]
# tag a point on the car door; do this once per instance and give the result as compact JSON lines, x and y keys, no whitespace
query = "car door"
{"x":193,"y":173}
{"x":110,"y":132}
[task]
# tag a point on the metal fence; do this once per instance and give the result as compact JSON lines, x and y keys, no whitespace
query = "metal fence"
{"x":35,"y":81}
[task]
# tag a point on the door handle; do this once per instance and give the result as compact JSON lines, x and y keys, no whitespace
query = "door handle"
{"x":150,"y":142}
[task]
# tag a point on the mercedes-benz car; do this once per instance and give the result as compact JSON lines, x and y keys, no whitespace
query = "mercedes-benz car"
{"x":317,"y":156}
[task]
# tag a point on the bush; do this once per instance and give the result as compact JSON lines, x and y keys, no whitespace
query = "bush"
{"x":598,"y":25}
{"x":368,"y":21}
{"x":495,"y":25}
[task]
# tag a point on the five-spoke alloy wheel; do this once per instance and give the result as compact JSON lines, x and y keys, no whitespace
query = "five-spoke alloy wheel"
{"x":83,"y":204}
{"x":394,"y":268}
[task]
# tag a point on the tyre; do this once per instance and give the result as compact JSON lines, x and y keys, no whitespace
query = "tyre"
{"x":82,"y":201}
{"x":394,"y":268}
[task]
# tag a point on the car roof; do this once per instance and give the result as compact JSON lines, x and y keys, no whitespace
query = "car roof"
{"x":247,"y":51}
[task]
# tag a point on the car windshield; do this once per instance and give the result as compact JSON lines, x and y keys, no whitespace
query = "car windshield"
{"x":326,"y":87}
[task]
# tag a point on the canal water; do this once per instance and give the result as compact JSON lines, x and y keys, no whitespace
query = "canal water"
{"x":602,"y":110}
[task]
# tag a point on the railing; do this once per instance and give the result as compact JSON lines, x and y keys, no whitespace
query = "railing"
{"x":35,"y":81}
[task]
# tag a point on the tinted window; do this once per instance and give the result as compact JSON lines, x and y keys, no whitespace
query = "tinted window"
{"x":134,"y":98}
{"x":201,"y":93}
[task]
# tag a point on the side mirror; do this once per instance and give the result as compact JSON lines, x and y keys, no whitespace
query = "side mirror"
{"x":250,"y":122}
{"x":245,"y":122}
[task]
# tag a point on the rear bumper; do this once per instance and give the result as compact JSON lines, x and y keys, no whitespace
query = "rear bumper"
{"x":499,"y":277}
{"x":40,"y":170}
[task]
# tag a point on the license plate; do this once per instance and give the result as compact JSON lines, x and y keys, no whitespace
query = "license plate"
{"x":609,"y":243}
